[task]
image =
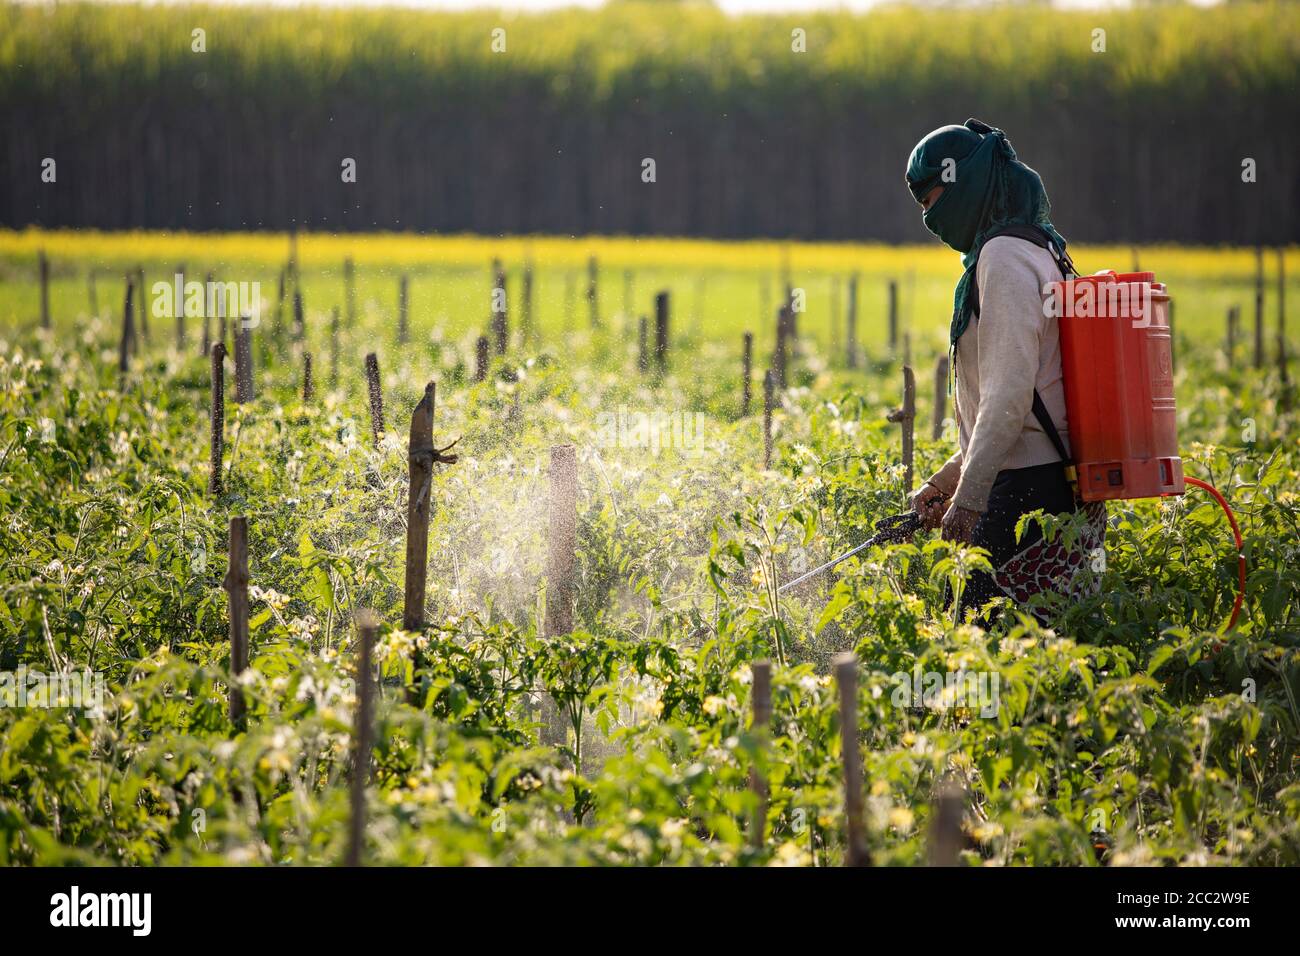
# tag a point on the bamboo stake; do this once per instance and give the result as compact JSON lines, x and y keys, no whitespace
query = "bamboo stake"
{"x":403,"y":329}
{"x":940,"y":397}
{"x":243,"y":362}
{"x":746,"y":374}
{"x":217,"y":419}
{"x":481,"y":359}
{"x":593,"y":294}
{"x":851,"y":356}
{"x":44,"y":267}
{"x":762,"y":703}
{"x":946,"y":817}
{"x":1259,"y":307}
{"x":127,"y":342}
{"x":662,"y":308}
{"x":906,"y":416}
{"x":376,"y":397}
{"x":768,"y":387}
{"x":362,"y":737}
{"x":846,"y":675}
{"x":500,"y":321}
{"x":308,"y":384}
{"x":236,"y":585}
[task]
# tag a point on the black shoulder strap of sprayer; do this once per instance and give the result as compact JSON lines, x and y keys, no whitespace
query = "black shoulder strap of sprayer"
{"x":1040,"y":238}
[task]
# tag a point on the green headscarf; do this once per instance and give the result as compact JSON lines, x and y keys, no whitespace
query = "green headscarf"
{"x":984,"y":188}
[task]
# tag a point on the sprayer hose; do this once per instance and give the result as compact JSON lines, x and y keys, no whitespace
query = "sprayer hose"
{"x":1241,"y":551}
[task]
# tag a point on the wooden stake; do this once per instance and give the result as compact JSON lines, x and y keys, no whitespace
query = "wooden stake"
{"x":376,"y":397}
{"x":662,"y":307}
{"x":561,"y":585}
{"x":128,"y":330}
{"x":846,"y":675}
{"x":481,"y":359}
{"x":643,"y":349}
{"x":526,"y":316}
{"x":277,"y":330}
{"x":851,"y":356}
{"x":349,"y":290}
{"x":420,"y":456}
{"x":243,"y":361}
{"x":893,"y":317}
{"x":561,"y":566}
{"x":940,"y":397}
{"x":143,"y":303}
{"x":44,"y":266}
{"x":362,"y":736}
{"x":94,"y":294}
{"x":568,"y":301}
{"x":236,"y":585}
{"x":500,"y":321}
{"x":779,"y":357}
{"x":180,"y":310}
{"x":207,"y":318}
{"x":403,"y":329}
{"x":217,"y":419}
{"x":762,"y":703}
{"x":1230,"y":342}
{"x":835,"y":316}
{"x":1259,"y":307}
{"x":334,"y":347}
{"x":308,"y":385}
{"x":906,"y":416}
{"x":946,"y":817}
{"x":746,"y":373}
{"x":299,"y":322}
{"x":1281,"y":318}
{"x":627,"y":298}
{"x":768,"y":388}
{"x":593,"y":295}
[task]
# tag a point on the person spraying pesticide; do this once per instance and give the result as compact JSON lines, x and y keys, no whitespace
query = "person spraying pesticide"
{"x":1013,"y":433}
{"x":1065,"y":385}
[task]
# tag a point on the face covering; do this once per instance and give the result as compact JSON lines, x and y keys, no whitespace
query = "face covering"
{"x":984,"y":189}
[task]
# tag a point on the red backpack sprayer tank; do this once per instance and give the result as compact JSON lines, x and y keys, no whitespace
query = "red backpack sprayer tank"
{"x":1118,"y":369}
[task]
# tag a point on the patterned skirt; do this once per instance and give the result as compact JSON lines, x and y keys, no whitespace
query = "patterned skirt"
{"x":1033,"y":564}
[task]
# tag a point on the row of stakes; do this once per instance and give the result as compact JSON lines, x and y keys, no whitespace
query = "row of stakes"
{"x":288,"y":276}
{"x":946,"y":838}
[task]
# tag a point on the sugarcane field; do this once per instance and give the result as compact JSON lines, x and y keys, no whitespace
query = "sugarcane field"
{"x":649,"y":435}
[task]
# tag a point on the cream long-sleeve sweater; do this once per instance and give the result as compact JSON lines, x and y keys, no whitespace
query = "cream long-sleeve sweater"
{"x":1001,"y":357}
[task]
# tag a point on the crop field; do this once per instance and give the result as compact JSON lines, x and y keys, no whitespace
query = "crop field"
{"x":578,"y":681}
